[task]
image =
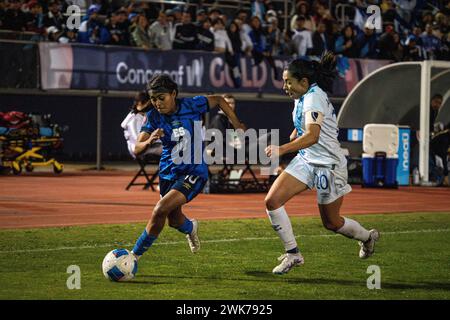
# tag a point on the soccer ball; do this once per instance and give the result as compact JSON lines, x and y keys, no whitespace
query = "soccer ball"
{"x":119,"y":265}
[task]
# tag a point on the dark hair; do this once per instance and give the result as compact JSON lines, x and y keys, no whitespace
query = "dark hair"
{"x":162,"y":83}
{"x":228,"y":96}
{"x":437,"y":95}
{"x":322,"y":72}
{"x":140,"y":97}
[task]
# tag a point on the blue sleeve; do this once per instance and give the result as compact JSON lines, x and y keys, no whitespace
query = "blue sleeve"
{"x":148,"y":125}
{"x":199,"y":104}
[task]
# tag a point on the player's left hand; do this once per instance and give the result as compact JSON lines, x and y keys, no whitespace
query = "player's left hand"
{"x":273,"y":151}
{"x":241,"y":126}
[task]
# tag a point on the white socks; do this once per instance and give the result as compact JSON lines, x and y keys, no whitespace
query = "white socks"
{"x":352,"y":229}
{"x":282,"y":225}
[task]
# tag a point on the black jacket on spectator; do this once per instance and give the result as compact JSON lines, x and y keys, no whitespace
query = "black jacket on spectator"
{"x":387,"y":45}
{"x":57,"y":21}
{"x":412,"y":53}
{"x":14,"y":20}
{"x":185,"y":37}
{"x":121,"y":31}
{"x":321,"y":42}
{"x":205,"y":40}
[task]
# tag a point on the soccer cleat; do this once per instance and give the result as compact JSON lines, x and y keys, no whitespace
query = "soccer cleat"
{"x":193,"y":240}
{"x":368,"y":247}
{"x":135,"y":255}
{"x":288,"y":261}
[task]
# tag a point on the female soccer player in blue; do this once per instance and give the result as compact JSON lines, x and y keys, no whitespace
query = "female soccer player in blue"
{"x":319,"y":162}
{"x":173,"y":120}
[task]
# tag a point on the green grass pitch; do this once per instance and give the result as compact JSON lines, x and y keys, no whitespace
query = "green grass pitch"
{"x":235,"y":261}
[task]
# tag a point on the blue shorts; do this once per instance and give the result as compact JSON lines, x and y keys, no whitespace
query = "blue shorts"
{"x":190,"y":186}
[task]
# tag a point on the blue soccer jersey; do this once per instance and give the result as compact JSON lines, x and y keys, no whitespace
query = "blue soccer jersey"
{"x":179,"y":126}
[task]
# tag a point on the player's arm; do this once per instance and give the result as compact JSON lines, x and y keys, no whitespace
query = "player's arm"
{"x":310,"y":137}
{"x":146,"y":139}
{"x":293,"y":135}
{"x":215,"y":100}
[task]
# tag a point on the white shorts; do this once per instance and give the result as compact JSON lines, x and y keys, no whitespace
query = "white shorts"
{"x":330,"y":181}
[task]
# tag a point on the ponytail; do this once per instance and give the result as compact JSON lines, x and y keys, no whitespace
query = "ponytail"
{"x":326,"y":71}
{"x":322,"y":72}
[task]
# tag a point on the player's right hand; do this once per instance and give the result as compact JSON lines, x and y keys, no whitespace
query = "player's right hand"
{"x":157,"y":134}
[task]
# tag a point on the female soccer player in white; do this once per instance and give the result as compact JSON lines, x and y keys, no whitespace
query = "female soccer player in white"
{"x":319,"y":163}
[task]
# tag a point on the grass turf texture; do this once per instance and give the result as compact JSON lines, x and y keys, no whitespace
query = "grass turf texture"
{"x":414,"y":261}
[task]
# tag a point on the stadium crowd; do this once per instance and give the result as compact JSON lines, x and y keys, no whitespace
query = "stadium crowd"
{"x":412,"y":30}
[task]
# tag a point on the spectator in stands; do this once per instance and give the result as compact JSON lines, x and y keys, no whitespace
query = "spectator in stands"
{"x":411,"y":50}
{"x":258,"y":38}
{"x":14,"y":17}
{"x":388,"y":12}
{"x":321,"y":42}
{"x":233,"y":33}
{"x":242,"y":15}
{"x":68,"y":36}
{"x":397,"y":53}
{"x":442,"y":22}
{"x":260,"y":49}
{"x":118,"y":29}
{"x":324,"y":15}
{"x":301,"y":39}
{"x":222,"y":42}
{"x":200,"y":18}
{"x":92,"y":29}
{"x":427,"y":18}
{"x":185,"y":34}
{"x":387,"y":44}
{"x":178,"y":15}
{"x":303,"y":9}
{"x":366,"y":43}
{"x":132,"y":21}
{"x":160,"y":33}
{"x":273,"y":36}
{"x":205,"y":38}
{"x":35,"y":18}
{"x":140,"y":35}
{"x":214,"y":13}
{"x":417,"y":32}
{"x":247,"y":45}
{"x":54,"y":16}
{"x":431,"y":44}
{"x":405,"y":8}
{"x":233,"y":58}
{"x":170,"y":16}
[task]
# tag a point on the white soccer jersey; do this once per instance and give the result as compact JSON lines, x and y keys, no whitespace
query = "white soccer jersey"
{"x":327,"y":151}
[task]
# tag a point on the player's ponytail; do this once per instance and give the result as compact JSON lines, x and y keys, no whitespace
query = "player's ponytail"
{"x":326,"y":71}
{"x":322,"y":72}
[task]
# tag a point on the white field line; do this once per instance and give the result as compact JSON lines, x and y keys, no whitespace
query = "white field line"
{"x":112,"y":245}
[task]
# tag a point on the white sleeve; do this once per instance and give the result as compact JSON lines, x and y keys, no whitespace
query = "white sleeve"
{"x":309,"y":43}
{"x":314,"y":102}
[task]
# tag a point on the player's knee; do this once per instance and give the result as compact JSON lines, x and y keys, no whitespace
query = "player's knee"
{"x":272,"y":203}
{"x":173,"y":224}
{"x":160,"y":211}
